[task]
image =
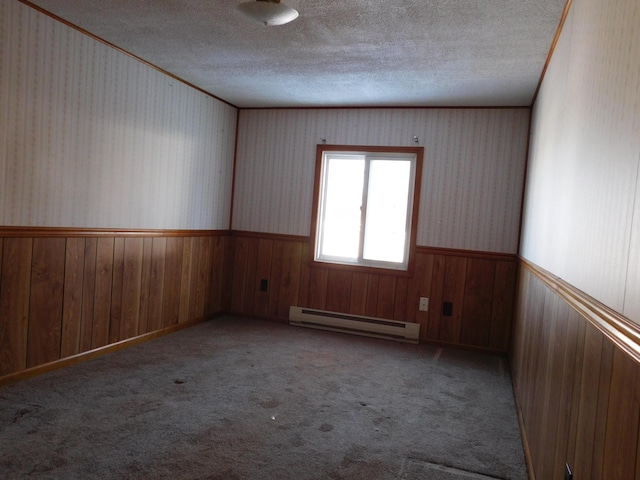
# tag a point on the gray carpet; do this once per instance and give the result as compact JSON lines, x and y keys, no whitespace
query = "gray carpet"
{"x":236,"y":398}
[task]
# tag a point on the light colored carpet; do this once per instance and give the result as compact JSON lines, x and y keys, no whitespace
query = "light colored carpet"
{"x":245,"y":399}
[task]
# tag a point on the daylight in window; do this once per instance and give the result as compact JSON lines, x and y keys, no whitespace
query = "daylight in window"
{"x":365,"y":208}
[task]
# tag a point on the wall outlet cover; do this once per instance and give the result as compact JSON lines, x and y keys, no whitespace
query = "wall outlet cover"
{"x":424,"y":304}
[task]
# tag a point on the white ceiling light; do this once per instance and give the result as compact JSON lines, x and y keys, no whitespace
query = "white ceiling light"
{"x":268,"y":12}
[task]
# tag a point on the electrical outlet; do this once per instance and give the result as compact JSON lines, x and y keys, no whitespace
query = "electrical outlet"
{"x":424,"y":304}
{"x":568,"y":474}
{"x":447,"y":309}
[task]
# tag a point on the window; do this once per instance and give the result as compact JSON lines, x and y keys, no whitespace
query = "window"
{"x":366,"y":201}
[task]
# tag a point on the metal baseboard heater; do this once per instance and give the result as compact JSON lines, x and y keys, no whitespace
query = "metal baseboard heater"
{"x":354,"y":324}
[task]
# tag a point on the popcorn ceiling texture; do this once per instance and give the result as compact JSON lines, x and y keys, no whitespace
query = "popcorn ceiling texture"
{"x":355,"y":53}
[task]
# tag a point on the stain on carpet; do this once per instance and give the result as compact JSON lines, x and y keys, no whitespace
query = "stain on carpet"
{"x":326,"y":427}
{"x":273,"y":403}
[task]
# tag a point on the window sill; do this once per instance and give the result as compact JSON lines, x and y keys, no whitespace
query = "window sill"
{"x":363,"y":268}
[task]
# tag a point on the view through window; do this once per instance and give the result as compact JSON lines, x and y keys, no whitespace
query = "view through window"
{"x":365,"y":206}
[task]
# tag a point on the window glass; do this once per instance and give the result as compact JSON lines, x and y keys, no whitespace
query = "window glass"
{"x":365,"y":207}
{"x":386,"y":228}
{"x":341,"y":214}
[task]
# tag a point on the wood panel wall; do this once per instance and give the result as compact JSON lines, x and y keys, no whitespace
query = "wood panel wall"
{"x":578,"y":393}
{"x":481,"y":287}
{"x":65,"y":295}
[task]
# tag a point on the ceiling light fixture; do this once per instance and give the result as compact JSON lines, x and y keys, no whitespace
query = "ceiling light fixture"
{"x":268,"y":12}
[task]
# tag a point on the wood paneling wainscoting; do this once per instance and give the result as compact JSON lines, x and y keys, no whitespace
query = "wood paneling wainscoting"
{"x":480,"y":285}
{"x":68,"y":291}
{"x":577,"y":381}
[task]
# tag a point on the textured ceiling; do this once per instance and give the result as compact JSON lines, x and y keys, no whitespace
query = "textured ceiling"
{"x":338,"y":52}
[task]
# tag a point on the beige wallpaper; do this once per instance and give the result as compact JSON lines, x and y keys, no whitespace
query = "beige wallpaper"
{"x":93,"y":138}
{"x":583,"y":187}
{"x":471,"y":182}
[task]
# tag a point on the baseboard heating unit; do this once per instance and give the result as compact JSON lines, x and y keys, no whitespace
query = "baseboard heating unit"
{"x":354,"y":324}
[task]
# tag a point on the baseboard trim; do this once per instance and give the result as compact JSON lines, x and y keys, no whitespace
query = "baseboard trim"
{"x":97,"y":352}
{"x":624,"y":333}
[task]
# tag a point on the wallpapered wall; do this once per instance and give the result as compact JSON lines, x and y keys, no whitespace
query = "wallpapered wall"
{"x":582,"y":209}
{"x":90,"y":137}
{"x":471,"y":182}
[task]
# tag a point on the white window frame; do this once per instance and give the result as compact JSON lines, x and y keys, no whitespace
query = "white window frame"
{"x":324,"y":153}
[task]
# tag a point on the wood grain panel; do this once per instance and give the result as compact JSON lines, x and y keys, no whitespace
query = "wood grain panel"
{"x":318,"y":288}
{"x":478,"y":302}
{"x":207,"y":276}
{"x":420,"y":286}
{"x":116,"y":290}
{"x":386,"y":296}
{"x":533,"y":324}
{"x":567,"y":346}
{"x":15,"y":285}
{"x":102,"y":301}
{"x":305,"y":275}
{"x":45,"y":301}
{"x":554,"y":362}
{"x":228,"y":275}
{"x":623,"y":418}
{"x":276,"y":277}
{"x":373,"y":288}
{"x":401,"y":299}
{"x":240,"y":259}
{"x":131,"y":287}
{"x":145,"y":280}
{"x":88,"y":293}
{"x":63,"y":296}
{"x":196,"y":287}
{"x":290,"y":277}
{"x":575,"y":403}
{"x":432,"y":332}
{"x":338,"y":290}
{"x":252,"y":283}
{"x":541,"y":375}
{"x":453,"y":291}
{"x":579,"y":394}
{"x":263,"y":272}
{"x":504,"y":291}
{"x":283,"y":263}
{"x":217,"y":275}
{"x":592,"y":359}
{"x":599,"y":436}
{"x":156,"y":284}
{"x":359,"y":288}
{"x":185,"y":280}
{"x":173,"y":270}
{"x":72,"y":300}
